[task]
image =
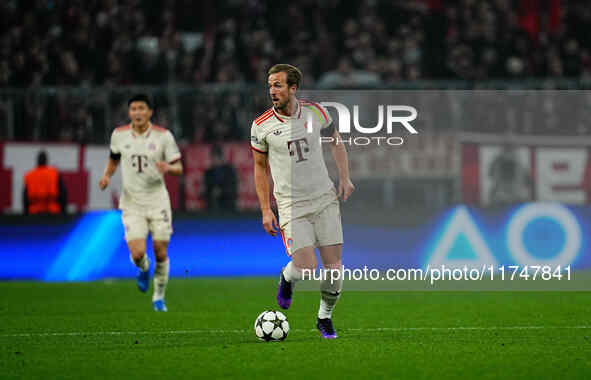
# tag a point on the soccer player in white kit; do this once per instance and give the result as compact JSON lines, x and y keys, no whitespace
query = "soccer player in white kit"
{"x":286,"y":138}
{"x":146,"y":152}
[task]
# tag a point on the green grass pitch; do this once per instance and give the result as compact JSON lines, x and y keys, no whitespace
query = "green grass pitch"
{"x":107,"y":330}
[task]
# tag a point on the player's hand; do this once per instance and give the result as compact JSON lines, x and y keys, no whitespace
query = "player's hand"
{"x":346,"y":187}
{"x":162,"y":166}
{"x":270,"y":222}
{"x":104,"y":182}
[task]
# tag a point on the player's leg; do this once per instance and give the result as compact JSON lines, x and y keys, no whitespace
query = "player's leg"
{"x":302,"y":259}
{"x":136,"y":230}
{"x":138,"y":256}
{"x":298,"y":238}
{"x":327,"y":226}
{"x":161,"y":272}
{"x":161,"y":229}
{"x":331,"y":286}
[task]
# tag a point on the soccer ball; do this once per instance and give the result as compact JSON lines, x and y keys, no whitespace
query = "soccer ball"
{"x":271,"y":326}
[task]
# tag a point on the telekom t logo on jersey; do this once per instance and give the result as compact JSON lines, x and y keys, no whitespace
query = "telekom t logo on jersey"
{"x":298,"y":147}
{"x":139,"y":161}
{"x":394,"y":114}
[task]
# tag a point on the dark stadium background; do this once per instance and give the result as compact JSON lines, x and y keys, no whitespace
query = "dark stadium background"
{"x":502,"y":87}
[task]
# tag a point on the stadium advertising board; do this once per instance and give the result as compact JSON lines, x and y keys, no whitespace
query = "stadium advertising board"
{"x":531,"y":169}
{"x":539,"y":236}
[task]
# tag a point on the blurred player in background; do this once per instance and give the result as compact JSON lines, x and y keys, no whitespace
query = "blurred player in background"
{"x":287,"y":138}
{"x":147,"y":152}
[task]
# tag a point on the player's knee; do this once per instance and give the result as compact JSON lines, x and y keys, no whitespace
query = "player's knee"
{"x":161,"y":256}
{"x":161,"y":251}
{"x":137,"y":253}
{"x":137,"y":248}
{"x":331,"y":255}
{"x":304,"y":258}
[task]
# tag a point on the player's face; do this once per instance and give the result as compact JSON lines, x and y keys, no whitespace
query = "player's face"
{"x":139,"y":113}
{"x":279,"y":91}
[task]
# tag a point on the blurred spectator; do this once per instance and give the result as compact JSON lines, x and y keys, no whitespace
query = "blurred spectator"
{"x":336,"y":43}
{"x":220,"y":182}
{"x":72,"y":42}
{"x":345,"y":76}
{"x":44,"y":191}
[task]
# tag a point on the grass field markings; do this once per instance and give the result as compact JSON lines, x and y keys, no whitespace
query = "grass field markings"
{"x":218,"y":331}
{"x":479,"y":328}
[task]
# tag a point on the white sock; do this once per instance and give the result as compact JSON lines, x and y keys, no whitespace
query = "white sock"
{"x":330,"y":290}
{"x":160,"y":279}
{"x":143,"y":263}
{"x":292,"y":273}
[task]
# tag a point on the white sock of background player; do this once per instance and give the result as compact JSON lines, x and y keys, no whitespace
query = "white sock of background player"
{"x":330,"y":289}
{"x":160,"y":279}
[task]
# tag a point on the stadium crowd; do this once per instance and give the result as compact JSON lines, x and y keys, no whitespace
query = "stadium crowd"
{"x":336,"y":43}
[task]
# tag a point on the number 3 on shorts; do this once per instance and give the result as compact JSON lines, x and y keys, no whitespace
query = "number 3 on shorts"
{"x":164,"y":216}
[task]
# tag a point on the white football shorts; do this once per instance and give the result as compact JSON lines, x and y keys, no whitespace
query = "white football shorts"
{"x":156,"y":221}
{"x":317,"y":224}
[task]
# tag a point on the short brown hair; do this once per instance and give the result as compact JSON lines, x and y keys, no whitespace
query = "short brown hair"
{"x":294,"y":75}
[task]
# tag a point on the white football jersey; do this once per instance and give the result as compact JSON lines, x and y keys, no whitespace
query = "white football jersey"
{"x":143,"y":184}
{"x":294,"y":152}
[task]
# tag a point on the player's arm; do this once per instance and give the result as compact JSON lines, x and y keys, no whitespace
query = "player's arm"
{"x":173,"y":168}
{"x":114,"y":159}
{"x":110,"y":169}
{"x":339,"y":154}
{"x":261,"y":181}
{"x":172,"y":157}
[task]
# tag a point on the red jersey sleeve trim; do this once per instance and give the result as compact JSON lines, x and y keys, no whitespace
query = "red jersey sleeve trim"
{"x":258,"y":150}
